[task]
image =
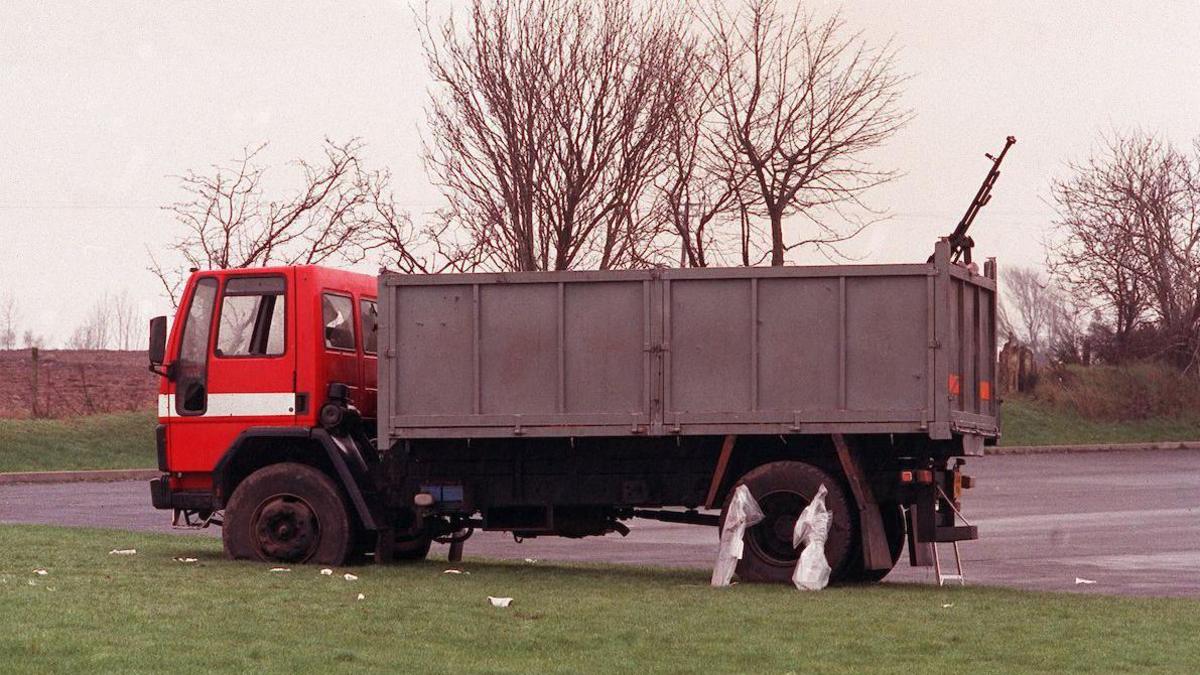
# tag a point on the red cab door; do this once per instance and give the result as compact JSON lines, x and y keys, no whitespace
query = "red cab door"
{"x":247,"y":377}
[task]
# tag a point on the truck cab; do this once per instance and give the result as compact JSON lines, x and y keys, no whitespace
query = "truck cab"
{"x":254,"y":356}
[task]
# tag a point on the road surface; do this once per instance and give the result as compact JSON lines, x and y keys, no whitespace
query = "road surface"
{"x":1130,"y":521}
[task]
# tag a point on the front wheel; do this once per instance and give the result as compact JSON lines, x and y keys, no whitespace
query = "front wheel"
{"x":288,"y":513}
{"x":782,"y":490}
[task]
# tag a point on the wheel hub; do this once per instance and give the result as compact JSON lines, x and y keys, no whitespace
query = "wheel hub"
{"x":286,"y":529}
{"x":771,"y":539}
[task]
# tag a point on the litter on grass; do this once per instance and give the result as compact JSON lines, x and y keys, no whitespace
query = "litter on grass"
{"x":326,"y":572}
{"x":123,"y":551}
{"x":361,"y":596}
{"x":531,"y":561}
{"x":948,"y":605}
{"x":349,"y":577}
{"x":454,"y":571}
{"x":1081,"y":580}
{"x":280,"y":569}
{"x":185,"y":560}
{"x":500,"y":602}
{"x":40,"y":572}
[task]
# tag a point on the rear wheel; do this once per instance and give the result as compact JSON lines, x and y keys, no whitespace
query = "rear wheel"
{"x":288,"y":513}
{"x":782,"y":490}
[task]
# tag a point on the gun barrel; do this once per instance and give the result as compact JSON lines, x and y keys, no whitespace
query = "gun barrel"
{"x":960,"y":243}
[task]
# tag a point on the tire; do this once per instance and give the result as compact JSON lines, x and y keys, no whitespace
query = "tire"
{"x":288,"y":513}
{"x":782,"y":490}
{"x":893,"y":528}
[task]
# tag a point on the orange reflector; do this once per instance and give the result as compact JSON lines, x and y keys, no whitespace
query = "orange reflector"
{"x":906,"y":476}
{"x":985,"y":391}
{"x":955,"y":385}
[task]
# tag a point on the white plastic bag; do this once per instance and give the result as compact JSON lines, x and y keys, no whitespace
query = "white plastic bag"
{"x":812,"y":529}
{"x":743,"y":512}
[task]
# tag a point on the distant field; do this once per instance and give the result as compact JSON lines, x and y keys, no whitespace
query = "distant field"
{"x":1027,"y":422}
{"x":75,"y":382}
{"x":114,"y":441}
{"x":94,"y":611}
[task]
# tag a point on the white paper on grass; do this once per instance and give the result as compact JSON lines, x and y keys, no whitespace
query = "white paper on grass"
{"x":811,"y":531}
{"x":499,"y":602}
{"x":743,"y":512}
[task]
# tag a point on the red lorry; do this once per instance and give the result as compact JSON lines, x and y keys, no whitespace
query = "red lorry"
{"x":325,"y":416}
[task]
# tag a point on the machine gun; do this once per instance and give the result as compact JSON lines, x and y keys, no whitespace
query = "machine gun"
{"x":960,"y":243}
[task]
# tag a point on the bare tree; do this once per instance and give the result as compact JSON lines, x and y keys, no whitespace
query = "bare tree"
{"x":401,"y":245}
{"x":9,"y":316}
{"x":803,"y":101}
{"x":701,"y":190}
{"x":547,"y":126}
{"x":98,"y":330}
{"x":1030,"y":306}
{"x":30,"y":340}
{"x":1130,"y":219}
{"x":228,"y":222}
{"x":127,"y":322}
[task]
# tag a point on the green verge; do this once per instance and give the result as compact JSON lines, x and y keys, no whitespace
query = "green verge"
{"x":126,"y":440}
{"x":148,"y":613}
{"x":1027,"y":422}
{"x":112,"y":441}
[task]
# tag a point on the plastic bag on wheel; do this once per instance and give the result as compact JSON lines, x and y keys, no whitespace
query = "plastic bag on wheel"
{"x":811,"y":531}
{"x":743,"y":512}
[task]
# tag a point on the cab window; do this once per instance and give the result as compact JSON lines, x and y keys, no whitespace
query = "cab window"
{"x":370,"y":326}
{"x":337,"y":315}
{"x":191,"y":388}
{"x":252,"y":317}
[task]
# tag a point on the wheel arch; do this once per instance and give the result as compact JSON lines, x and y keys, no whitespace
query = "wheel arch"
{"x":750,"y":452}
{"x":259,"y":447}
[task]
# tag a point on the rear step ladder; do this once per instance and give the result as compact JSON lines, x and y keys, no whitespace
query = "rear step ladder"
{"x":937,"y":567}
{"x":937,"y":561}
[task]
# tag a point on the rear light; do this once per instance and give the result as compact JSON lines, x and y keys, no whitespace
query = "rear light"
{"x":906,"y":476}
{"x":923,"y":475}
{"x":423,"y":499}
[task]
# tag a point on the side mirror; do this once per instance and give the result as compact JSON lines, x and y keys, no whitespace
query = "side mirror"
{"x":158,"y":340}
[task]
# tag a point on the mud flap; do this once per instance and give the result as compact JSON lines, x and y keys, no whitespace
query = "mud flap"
{"x":877,"y":555}
{"x":920,"y":553}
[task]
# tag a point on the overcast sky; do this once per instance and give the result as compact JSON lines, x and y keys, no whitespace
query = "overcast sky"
{"x":101,"y":103}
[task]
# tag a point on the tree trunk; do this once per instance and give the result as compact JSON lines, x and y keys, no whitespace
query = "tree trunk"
{"x":776,"y":238}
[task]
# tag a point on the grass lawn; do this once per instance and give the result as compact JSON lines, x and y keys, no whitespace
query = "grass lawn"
{"x":1026,"y":422}
{"x":148,"y":613}
{"x":113,"y":441}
